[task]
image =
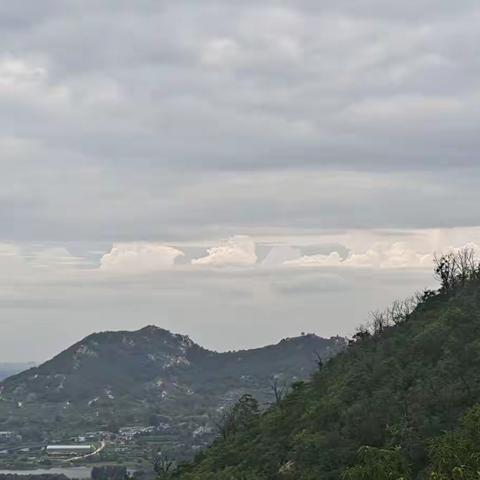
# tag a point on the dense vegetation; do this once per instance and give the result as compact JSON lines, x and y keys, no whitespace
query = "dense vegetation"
{"x":400,"y":403}
{"x":109,"y":472}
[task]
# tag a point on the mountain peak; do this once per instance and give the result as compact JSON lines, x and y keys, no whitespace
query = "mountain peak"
{"x":154,"y":329}
{"x":151,"y":327}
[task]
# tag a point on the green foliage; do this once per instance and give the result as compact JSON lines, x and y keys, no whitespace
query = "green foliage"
{"x":239,"y":417}
{"x":378,"y":464}
{"x":163,"y":466}
{"x":456,"y":455}
{"x":373,"y":411}
{"x":109,"y":472}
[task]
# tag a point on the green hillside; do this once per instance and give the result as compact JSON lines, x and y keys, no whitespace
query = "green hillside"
{"x":389,"y":407}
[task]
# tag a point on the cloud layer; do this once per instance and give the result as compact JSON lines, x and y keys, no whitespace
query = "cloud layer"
{"x":244,"y":292}
{"x":339,"y":138}
{"x":215,"y":118}
{"x":239,"y":251}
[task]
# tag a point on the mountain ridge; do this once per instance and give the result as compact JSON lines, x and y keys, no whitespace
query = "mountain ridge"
{"x":149,"y":340}
{"x":119,"y":378}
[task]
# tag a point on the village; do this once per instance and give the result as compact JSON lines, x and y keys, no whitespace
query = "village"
{"x":134,"y":445}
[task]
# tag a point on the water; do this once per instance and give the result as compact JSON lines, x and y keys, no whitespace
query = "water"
{"x":80,"y":473}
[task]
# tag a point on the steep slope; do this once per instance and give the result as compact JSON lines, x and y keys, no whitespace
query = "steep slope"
{"x":149,"y":377}
{"x":395,"y":390}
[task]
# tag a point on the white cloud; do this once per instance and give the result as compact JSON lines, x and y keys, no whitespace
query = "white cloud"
{"x":237,"y":251}
{"x":396,"y":255}
{"x":381,"y":255}
{"x":139,"y":257}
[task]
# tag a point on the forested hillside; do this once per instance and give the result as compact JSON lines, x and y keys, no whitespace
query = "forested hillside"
{"x":400,"y":403}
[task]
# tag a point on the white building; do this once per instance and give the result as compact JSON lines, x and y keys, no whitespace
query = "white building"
{"x":69,"y":450}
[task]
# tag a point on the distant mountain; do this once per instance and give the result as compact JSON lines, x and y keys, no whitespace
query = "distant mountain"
{"x":8,"y":369}
{"x":147,"y":377}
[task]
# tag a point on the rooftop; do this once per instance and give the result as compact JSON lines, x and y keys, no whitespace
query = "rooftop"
{"x":69,"y":447}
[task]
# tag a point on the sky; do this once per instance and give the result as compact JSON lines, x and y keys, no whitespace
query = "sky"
{"x":236,"y":171}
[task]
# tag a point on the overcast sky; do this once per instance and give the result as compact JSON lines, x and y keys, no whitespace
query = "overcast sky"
{"x":235,"y":171}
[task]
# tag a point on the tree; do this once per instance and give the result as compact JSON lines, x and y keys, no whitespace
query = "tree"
{"x":318,"y":360}
{"x":163,"y":466}
{"x":456,"y":268}
{"x":457,"y":455}
{"x":238,"y":417}
{"x":279,"y":389}
{"x":378,"y":464}
{"x":109,"y":472}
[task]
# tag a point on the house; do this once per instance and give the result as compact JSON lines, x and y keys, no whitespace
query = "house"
{"x":9,"y":437}
{"x":79,"y":439}
{"x":100,"y":435}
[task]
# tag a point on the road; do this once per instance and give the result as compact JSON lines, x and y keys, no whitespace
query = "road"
{"x":103,"y":444}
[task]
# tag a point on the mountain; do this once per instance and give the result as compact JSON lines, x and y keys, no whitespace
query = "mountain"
{"x":402,"y":402}
{"x":9,"y":369}
{"x":150,"y":377}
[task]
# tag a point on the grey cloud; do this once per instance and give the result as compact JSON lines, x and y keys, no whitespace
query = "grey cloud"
{"x":266,"y":98}
{"x":67,"y":203}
